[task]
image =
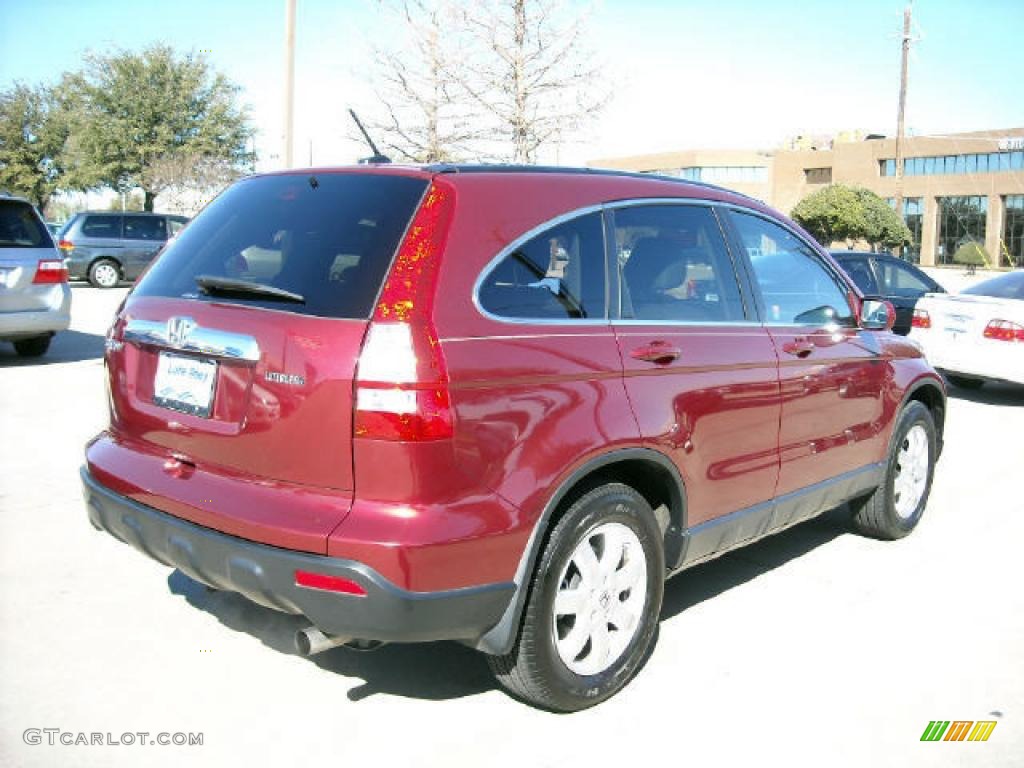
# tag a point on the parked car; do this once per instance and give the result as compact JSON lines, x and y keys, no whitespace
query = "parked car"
{"x":498,"y":406}
{"x":882,"y":274}
{"x":35,"y":300}
{"x":976,"y":335}
{"x":106,"y":247}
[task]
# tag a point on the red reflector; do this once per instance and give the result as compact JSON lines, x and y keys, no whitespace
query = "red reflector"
{"x":330,"y":583}
{"x":50,"y":271}
{"x":1004,"y":330}
{"x":921,"y":319}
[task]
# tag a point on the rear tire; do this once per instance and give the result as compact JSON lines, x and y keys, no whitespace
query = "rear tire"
{"x":104,"y":273}
{"x":965,"y":382}
{"x":601,"y":554}
{"x":894,"y":509}
{"x":34,"y":347}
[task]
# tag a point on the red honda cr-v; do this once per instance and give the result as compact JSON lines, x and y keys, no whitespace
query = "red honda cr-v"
{"x":497,"y":405}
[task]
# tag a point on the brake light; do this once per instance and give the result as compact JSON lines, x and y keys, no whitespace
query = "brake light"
{"x":1004,"y":330}
{"x":50,"y":271}
{"x":401,"y":389}
{"x":66,"y":245}
{"x":921,"y":319}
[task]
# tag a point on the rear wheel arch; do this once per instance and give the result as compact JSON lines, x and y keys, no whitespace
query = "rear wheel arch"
{"x":649,"y":472}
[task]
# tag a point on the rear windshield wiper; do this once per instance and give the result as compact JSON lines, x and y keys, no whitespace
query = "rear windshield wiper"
{"x":227,"y":285}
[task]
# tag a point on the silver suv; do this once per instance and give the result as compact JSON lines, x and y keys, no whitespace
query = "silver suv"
{"x":35,"y":299}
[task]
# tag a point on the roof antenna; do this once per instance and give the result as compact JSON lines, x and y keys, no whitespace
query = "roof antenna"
{"x":377,"y":156}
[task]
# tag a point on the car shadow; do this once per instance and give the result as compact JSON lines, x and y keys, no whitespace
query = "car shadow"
{"x":66,"y":347}
{"x":990,"y":394}
{"x":447,"y":670}
{"x":431,"y":671}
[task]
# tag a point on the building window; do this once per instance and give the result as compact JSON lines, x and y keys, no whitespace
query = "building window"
{"x":725,"y":174}
{"x":961,"y":220}
{"x":1013,"y":229}
{"x":986,"y":162}
{"x":818,"y":175}
{"x":913,"y":215}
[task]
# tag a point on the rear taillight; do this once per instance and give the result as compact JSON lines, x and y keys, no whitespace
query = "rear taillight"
{"x":921,"y":319}
{"x":50,"y":271}
{"x":66,"y":245}
{"x":401,"y":388}
{"x":1004,"y":330}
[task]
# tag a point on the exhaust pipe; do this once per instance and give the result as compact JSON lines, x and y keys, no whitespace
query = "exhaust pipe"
{"x":310,"y":641}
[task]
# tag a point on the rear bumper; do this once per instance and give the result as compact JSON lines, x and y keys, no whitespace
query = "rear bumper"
{"x":266,"y":575}
{"x":16,"y":325}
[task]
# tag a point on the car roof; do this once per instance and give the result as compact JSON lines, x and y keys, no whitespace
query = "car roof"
{"x":673,"y":183}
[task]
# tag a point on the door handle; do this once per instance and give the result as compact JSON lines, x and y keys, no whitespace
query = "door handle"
{"x":657,"y":352}
{"x":800,"y":347}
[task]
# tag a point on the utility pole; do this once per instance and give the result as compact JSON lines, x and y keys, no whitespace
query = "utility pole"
{"x":900,"y":115}
{"x":289,"y":79}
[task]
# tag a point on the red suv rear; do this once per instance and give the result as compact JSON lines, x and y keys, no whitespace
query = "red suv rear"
{"x":497,"y":405}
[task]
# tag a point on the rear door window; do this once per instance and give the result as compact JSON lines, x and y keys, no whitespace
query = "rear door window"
{"x":556,"y":275}
{"x":20,"y":227}
{"x":329,"y":238}
{"x":102,"y":227}
{"x":144,"y":228}
{"x":674,"y":266}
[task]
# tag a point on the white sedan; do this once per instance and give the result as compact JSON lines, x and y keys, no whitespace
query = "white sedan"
{"x":977,"y":335}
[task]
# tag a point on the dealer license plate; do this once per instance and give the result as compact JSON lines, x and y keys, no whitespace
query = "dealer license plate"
{"x":185,"y":384}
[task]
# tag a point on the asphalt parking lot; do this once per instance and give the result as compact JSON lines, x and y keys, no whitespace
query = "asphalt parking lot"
{"x":814,"y":647}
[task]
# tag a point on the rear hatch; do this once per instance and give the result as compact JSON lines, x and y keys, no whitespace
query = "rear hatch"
{"x":240,"y":343}
{"x":24,"y":242}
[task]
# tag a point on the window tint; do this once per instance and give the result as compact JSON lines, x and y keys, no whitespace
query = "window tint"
{"x":795,"y":286}
{"x":1008,"y":286}
{"x":673,"y":265}
{"x":557,"y":275}
{"x":329,"y":238}
{"x":899,"y":280}
{"x":102,"y":226}
{"x":20,"y":227}
{"x":859,"y":271}
{"x":144,"y":228}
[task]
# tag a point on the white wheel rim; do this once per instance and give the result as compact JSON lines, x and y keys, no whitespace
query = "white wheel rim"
{"x":602,"y":593}
{"x":106,"y":275}
{"x":911,"y":471}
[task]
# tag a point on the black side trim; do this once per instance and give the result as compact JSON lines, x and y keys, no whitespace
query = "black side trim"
{"x":266,"y":575}
{"x":722,"y":534}
{"x":499,"y":639}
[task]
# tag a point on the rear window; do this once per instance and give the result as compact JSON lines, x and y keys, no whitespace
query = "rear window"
{"x":20,"y":227}
{"x":144,"y":228}
{"x":102,"y":227}
{"x":1008,"y":286}
{"x":329,"y":238}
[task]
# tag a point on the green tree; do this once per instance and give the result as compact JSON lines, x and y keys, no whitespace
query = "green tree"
{"x":838,"y":212}
{"x":972,"y":255}
{"x":137,"y":111}
{"x":884,"y":227}
{"x":33,"y":132}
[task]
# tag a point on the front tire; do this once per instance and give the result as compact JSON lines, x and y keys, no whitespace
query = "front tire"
{"x":593,"y":604}
{"x":34,"y":347}
{"x":894,"y":508}
{"x":104,"y":273}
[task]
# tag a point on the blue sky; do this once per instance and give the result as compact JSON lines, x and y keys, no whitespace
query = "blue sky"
{"x":685,"y":74}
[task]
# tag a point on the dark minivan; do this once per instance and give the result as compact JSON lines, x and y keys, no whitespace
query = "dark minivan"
{"x":108,"y":247}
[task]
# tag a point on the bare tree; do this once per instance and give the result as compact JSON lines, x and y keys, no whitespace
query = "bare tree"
{"x":530,"y":73}
{"x":428,"y":117}
{"x":186,"y":180}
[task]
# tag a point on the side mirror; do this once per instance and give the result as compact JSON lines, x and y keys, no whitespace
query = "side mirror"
{"x":877,"y":315}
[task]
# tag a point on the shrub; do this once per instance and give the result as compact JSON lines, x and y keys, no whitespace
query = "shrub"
{"x":971,"y":255}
